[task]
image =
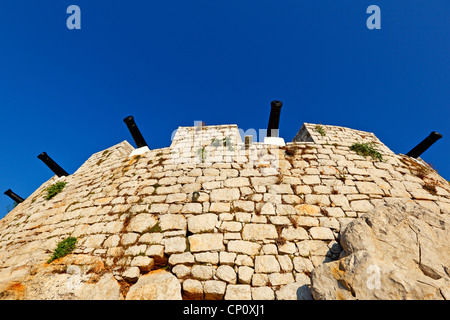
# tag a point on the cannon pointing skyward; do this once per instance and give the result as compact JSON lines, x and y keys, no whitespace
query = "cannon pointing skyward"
{"x":424,"y":145}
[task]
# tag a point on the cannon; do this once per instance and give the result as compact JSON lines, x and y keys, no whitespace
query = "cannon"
{"x":424,"y":145}
{"x":52,"y":165}
{"x":135,"y":133}
{"x":274,"y":119}
{"x":14,"y":196}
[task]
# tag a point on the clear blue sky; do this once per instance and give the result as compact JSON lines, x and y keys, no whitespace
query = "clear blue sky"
{"x":169,"y":63}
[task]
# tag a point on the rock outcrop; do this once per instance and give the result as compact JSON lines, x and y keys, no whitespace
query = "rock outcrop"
{"x":401,"y":251}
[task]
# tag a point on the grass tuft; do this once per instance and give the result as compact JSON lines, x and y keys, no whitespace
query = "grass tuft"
{"x":367,"y":149}
{"x":54,"y":189}
{"x":63,"y":248}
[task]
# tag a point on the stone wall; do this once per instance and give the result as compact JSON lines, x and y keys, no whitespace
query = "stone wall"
{"x":235,"y":224}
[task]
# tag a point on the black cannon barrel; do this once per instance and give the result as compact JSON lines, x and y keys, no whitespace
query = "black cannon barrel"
{"x":134,"y":130}
{"x":14,"y":196}
{"x":424,"y":145}
{"x":274,"y":120}
{"x":52,"y":165}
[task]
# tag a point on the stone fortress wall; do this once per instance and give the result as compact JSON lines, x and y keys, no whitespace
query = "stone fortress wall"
{"x":206,"y":218}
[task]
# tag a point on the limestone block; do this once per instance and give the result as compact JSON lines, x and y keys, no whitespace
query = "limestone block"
{"x":226,"y":273}
{"x":181,"y":258}
{"x":174,"y":244}
{"x":302,"y":264}
{"x":202,"y":272}
{"x":311,"y":179}
{"x":193,"y":289}
{"x":307,"y":210}
{"x":294,"y":234}
{"x":236,"y":182}
{"x":207,"y":257}
{"x":238,"y":292}
{"x":151,"y":238}
{"x":280,"y":189}
{"x":257,"y":231}
{"x":267,"y":209}
{"x":230,"y":226}
{"x":286,"y":209}
{"x":224,"y":194}
{"x":202,"y":223}
{"x":155,"y":251}
{"x":245,"y":247}
{"x":131,"y":274}
{"x":175,"y":197}
{"x":368,"y":188}
{"x":206,"y":242}
{"x":294,"y":291}
{"x":321,"y":233}
{"x":312,"y":247}
{"x":172,"y":222}
{"x":279,"y":279}
{"x":285,"y":263}
{"x":227,"y":257}
{"x":266,"y":264}
{"x":156,"y":285}
{"x":361,"y":205}
{"x":245,"y":274}
{"x":220,"y":207}
{"x":141,"y":222}
{"x":262,"y":293}
{"x":214,"y":289}
{"x":144,"y":263}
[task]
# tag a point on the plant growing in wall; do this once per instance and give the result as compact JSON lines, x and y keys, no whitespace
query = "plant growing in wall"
{"x":366,"y":149}
{"x":63,"y":248}
{"x":320,"y":130}
{"x":225,"y":142}
{"x":10,"y":207}
{"x":54,"y":189}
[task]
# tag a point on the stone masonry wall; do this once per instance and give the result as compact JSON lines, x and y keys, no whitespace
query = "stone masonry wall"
{"x":234,"y":224}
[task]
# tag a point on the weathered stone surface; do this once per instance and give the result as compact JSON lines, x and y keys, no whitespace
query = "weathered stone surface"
{"x":175,"y":244}
{"x":262,"y":293}
{"x":193,"y":289}
{"x":256,"y":231}
{"x":321,"y":233}
{"x":214,"y":290}
{"x":156,"y":285}
{"x":172,"y":222}
{"x":202,"y":223}
{"x":142,"y":222}
{"x":294,"y":234}
{"x":227,"y":274}
{"x":294,"y":291}
{"x":266,"y":264}
{"x":144,"y":263}
{"x":393,"y":252}
{"x":228,"y":216}
{"x":224,"y":194}
{"x":206,"y":242}
{"x":238,"y":292}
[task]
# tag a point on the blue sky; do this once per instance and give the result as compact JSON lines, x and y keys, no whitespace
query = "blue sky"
{"x":169,"y":63}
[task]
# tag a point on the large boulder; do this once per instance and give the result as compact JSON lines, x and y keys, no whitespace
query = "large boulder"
{"x":401,"y":251}
{"x":74,"y":277}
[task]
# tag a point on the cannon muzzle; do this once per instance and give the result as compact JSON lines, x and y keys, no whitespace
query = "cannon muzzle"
{"x":424,"y":145}
{"x":135,"y":133}
{"x":52,"y":165}
{"x":14,"y":196}
{"x":274,"y":119}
